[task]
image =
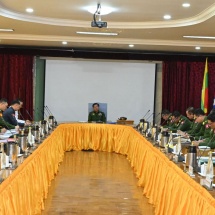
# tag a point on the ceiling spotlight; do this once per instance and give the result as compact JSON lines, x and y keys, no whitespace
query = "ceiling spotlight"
{"x":29,"y":10}
{"x":197,"y":48}
{"x":186,"y":4}
{"x":167,"y":16}
{"x":64,"y":43}
{"x":131,"y":45}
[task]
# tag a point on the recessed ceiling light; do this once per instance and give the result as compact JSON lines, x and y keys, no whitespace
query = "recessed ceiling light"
{"x":197,"y":47}
{"x":97,"y":33}
{"x":131,"y":45}
{"x":186,"y":4}
{"x":6,"y":29}
{"x":200,"y":37}
{"x":64,"y":43}
{"x":103,"y":11}
{"x":167,"y":16}
{"x":29,"y":10}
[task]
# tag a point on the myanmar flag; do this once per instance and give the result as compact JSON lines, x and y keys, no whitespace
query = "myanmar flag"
{"x":204,"y":100}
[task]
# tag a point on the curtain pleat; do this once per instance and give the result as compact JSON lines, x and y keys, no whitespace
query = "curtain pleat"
{"x":16,"y":80}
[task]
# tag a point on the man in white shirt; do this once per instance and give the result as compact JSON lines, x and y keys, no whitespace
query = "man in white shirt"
{"x":26,"y":122}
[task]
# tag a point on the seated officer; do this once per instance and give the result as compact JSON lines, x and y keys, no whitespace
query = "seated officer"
{"x":26,"y":122}
{"x":190,"y":113}
{"x":9,"y":114}
{"x":179,"y":122}
{"x":3,"y":123}
{"x":190,"y":116}
{"x":96,"y":115}
{"x":196,"y":120}
{"x":211,"y":140}
{"x":167,"y":116}
{"x":205,"y":129}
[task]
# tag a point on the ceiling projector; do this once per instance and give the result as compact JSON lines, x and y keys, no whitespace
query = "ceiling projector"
{"x":99,"y":24}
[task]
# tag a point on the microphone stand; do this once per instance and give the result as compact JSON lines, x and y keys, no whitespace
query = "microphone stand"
{"x":145,"y":116}
{"x":55,"y":121}
{"x":29,"y":115}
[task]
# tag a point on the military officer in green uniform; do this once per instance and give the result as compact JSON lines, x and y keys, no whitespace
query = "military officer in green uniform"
{"x":3,"y":107}
{"x":167,"y":116}
{"x":180,"y":122}
{"x":210,"y":141}
{"x":96,"y":115}
{"x":204,"y":131}
{"x":190,"y":113}
{"x":190,"y":116}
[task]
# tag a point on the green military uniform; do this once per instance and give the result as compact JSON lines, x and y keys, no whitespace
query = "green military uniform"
{"x":168,"y":122}
{"x":204,"y":131}
{"x":209,"y":141}
{"x":96,"y":117}
{"x":4,"y":124}
{"x":183,"y":124}
{"x":195,"y":128}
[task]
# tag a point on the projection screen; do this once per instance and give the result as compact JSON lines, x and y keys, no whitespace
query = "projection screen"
{"x":127,"y":87}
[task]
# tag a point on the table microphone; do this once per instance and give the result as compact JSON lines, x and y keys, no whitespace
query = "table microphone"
{"x":155,"y":119}
{"x":148,"y":124}
{"x":150,"y":116}
{"x":29,"y":114}
{"x":21,"y":115}
{"x":42,"y":113}
{"x":55,"y":121}
{"x":163,"y":122}
{"x":48,"y":110}
{"x":146,"y":114}
{"x":46,"y":113}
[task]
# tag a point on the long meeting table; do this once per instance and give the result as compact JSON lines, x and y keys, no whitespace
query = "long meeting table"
{"x":166,"y":186}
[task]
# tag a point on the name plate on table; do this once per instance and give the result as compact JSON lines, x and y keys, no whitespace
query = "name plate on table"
{"x":207,"y":183}
{"x":190,"y":172}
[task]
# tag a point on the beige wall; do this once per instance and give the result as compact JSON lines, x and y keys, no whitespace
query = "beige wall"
{"x":158,"y":97}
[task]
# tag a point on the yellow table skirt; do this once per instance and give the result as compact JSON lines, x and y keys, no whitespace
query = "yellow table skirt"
{"x":167,"y":186}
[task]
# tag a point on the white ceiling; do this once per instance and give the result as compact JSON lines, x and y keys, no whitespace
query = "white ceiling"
{"x":137,"y":22}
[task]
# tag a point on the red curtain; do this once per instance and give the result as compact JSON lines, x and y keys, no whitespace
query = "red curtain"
{"x":16,"y":80}
{"x":182,"y":85}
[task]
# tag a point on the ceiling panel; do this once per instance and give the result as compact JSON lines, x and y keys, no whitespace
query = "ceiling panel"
{"x":152,"y":33}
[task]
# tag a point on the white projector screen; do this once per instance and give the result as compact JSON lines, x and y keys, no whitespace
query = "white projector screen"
{"x":127,"y":87}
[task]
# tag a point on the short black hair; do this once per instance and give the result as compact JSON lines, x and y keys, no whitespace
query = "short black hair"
{"x":176,"y":114}
{"x":199,"y":112}
{"x":95,"y":104}
{"x":165,"y":112}
{"x":15,"y":102}
{"x":18,"y":99}
{"x":3,"y":100}
{"x":212,"y":111}
{"x":190,"y":110}
{"x":211,"y":117}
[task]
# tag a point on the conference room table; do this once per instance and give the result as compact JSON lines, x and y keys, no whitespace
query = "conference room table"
{"x":164,"y":183}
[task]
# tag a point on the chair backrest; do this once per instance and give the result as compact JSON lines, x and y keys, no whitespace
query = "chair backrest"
{"x":102,"y":107}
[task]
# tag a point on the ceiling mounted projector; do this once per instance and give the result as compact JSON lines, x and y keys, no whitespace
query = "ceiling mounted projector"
{"x":99,"y":23}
